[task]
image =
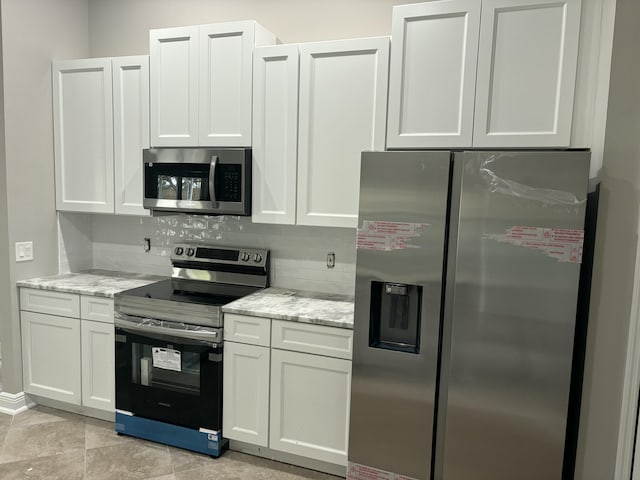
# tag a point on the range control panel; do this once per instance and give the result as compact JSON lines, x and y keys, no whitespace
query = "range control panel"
{"x":216,"y":254}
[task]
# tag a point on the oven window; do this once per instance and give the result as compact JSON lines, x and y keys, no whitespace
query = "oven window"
{"x":165,"y":368}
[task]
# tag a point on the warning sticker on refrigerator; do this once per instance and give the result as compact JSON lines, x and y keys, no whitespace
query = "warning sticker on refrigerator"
{"x":167,"y":359}
{"x":355,"y":471}
{"x":388,"y":236}
{"x":565,"y":245}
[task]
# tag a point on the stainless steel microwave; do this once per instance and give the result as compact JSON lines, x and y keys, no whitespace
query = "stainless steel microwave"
{"x":213,"y":181}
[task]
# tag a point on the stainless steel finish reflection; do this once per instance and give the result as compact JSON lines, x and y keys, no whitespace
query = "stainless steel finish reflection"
{"x":219,"y":277}
{"x":212,"y":157}
{"x":212,"y":180}
{"x":156,"y":329}
{"x":170,"y":310}
{"x":513,"y":319}
{"x":393,"y":392}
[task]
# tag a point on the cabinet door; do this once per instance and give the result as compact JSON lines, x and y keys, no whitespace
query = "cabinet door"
{"x":433,"y":74}
{"x":245,"y":403}
{"x":98,"y":366}
{"x":310,"y":397}
{"x":51,"y":356}
{"x":343,"y":102}
{"x":83,"y":135}
{"x":130,"y":130}
{"x":275,"y":134}
{"x":173,"y":84}
{"x":526,"y":73}
{"x":225,"y":84}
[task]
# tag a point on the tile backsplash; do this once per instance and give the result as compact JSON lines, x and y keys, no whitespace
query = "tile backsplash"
{"x":298,"y":253}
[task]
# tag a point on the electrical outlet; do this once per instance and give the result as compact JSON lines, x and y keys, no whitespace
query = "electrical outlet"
{"x":331,"y":260}
{"x":24,"y":251}
{"x":147,"y":244}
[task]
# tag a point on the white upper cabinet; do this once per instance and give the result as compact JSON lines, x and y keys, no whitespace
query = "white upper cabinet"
{"x":101,"y":125}
{"x":174,"y":86}
{"x":483,"y":73}
{"x":343,"y":100}
{"x":201,"y":83}
{"x":432,"y":74}
{"x":130,"y":131}
{"x":275,"y":133}
{"x":526,"y":73}
{"x":83,"y":135}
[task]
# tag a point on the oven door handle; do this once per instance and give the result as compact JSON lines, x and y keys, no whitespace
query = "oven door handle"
{"x":203,"y":335}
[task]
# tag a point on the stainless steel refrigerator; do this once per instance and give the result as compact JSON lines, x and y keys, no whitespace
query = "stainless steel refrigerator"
{"x":467,"y":280}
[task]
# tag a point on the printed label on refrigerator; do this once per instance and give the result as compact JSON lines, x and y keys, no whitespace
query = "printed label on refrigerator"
{"x":563,"y":244}
{"x":167,"y":359}
{"x":355,"y":471}
{"x":387,"y":236}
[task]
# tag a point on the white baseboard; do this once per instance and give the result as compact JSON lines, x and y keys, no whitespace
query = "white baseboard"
{"x":13,"y":403}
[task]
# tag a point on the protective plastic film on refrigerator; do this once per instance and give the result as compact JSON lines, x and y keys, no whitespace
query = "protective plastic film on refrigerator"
{"x":467,"y":281}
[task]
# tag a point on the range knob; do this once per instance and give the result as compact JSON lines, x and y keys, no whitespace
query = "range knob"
{"x":257,"y":258}
{"x":244,"y":256}
{"x":190,"y":252}
{"x":178,"y":250}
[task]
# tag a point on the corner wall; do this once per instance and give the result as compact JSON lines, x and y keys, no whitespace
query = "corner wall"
{"x":33,"y":33}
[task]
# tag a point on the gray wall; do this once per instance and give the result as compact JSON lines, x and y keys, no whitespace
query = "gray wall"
{"x":33,"y":33}
{"x":615,"y":253}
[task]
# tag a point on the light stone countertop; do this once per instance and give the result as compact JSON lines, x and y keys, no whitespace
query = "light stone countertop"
{"x":297,"y":306}
{"x":99,"y":283}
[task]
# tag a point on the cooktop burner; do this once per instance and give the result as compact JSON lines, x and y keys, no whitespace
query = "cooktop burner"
{"x":204,"y":278}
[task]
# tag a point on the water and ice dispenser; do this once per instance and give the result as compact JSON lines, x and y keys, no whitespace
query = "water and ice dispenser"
{"x":395,"y":316}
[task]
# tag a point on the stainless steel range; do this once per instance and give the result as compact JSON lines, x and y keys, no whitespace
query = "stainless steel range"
{"x":169,"y":345}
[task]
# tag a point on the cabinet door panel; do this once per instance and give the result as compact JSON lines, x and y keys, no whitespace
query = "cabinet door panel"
{"x":526,"y":73}
{"x":131,"y":130}
{"x":83,"y":135}
{"x":275,"y":134}
{"x":98,"y":367}
{"x":246,"y":393}
{"x":225,"y":84}
{"x":343,"y":92}
{"x":174,"y":86}
{"x":51,"y":356}
{"x":433,"y":74}
{"x":310,"y":398}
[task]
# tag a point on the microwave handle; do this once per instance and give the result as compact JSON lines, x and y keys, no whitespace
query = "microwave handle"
{"x":212,"y":180}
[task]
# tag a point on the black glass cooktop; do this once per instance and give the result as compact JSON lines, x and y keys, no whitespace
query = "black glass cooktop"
{"x":191,"y":291}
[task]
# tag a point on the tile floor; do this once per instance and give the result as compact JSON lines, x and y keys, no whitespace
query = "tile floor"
{"x":44,"y":443}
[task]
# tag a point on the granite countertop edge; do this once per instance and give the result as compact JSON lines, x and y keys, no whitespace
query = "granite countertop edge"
{"x":296,"y":306}
{"x":97,"y":283}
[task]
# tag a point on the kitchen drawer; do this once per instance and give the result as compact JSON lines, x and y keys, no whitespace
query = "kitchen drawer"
{"x":247,"y":329}
{"x":46,"y":301}
{"x":317,"y":339}
{"x":99,"y":309}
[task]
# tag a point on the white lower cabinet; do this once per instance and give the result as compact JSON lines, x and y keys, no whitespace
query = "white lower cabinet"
{"x":280,"y":393}
{"x":310,"y":397}
{"x":51,"y":354}
{"x":98,"y":369}
{"x":68,"y":358}
{"x":246,"y":393}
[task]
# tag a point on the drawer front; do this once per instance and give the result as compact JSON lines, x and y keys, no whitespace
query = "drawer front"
{"x":46,"y":301}
{"x":247,"y":329}
{"x":99,"y":309}
{"x":316,"y":339}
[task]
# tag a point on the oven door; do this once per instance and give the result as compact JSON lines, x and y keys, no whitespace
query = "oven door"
{"x":197,"y":180}
{"x":170,"y":372}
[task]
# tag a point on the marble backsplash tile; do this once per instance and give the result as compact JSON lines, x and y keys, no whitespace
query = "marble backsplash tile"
{"x":298,"y":253}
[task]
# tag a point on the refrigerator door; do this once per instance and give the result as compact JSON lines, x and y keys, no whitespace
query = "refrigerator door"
{"x":399,"y":267}
{"x":512,"y":312}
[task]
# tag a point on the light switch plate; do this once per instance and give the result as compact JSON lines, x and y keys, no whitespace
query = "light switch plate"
{"x":24,"y":251}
